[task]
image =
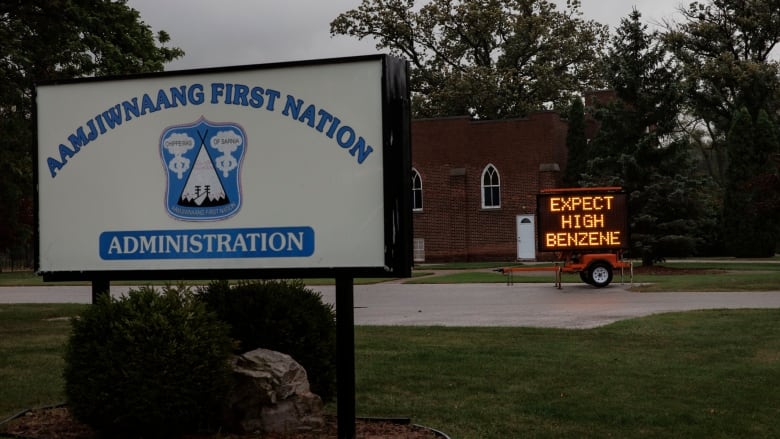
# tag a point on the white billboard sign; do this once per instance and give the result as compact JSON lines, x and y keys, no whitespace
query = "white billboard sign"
{"x":274,"y":167}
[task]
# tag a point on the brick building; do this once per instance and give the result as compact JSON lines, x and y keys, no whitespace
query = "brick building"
{"x":475,"y":185}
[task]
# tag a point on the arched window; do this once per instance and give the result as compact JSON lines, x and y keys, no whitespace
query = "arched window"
{"x":491,"y":188}
{"x":417,"y":200}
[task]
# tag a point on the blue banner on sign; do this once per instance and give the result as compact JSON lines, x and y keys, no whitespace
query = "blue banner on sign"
{"x":275,"y":242}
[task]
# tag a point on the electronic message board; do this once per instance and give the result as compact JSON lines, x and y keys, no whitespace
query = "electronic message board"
{"x":582,"y":219}
{"x":297,"y":168}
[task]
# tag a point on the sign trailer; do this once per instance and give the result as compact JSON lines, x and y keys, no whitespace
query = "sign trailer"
{"x":587,"y":227}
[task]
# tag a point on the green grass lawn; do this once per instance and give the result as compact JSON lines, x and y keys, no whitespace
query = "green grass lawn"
{"x":729,"y":281}
{"x":717,"y":275}
{"x":32,"y":339}
{"x":712,"y":374}
{"x":698,"y":374}
{"x":28,"y":278}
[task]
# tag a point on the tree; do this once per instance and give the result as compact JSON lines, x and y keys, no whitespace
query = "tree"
{"x":491,"y":59}
{"x":639,"y":148}
{"x":766,"y":147}
{"x":576,"y":144}
{"x":748,"y":231}
{"x":769,"y":185}
{"x":724,"y":48}
{"x":52,"y":40}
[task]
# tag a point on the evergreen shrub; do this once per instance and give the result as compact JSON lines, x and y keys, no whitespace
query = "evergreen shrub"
{"x":284,"y":316}
{"x":149,"y":364}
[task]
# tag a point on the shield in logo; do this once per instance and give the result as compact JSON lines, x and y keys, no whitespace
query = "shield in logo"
{"x":203,"y":165}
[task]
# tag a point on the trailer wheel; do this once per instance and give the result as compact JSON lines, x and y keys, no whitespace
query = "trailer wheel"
{"x":600,"y":274}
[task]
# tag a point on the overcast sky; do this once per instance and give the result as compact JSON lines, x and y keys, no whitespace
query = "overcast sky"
{"x":216,"y":33}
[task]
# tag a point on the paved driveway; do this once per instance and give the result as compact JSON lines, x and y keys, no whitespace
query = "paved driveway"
{"x":539,"y":305}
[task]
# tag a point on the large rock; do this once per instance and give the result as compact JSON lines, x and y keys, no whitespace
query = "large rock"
{"x":271,"y":395}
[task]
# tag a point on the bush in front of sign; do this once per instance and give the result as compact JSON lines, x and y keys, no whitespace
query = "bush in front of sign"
{"x":149,"y":364}
{"x":284,"y":316}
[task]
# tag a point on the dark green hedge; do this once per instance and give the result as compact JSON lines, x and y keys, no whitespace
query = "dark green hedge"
{"x":283,"y":316}
{"x":150,"y":364}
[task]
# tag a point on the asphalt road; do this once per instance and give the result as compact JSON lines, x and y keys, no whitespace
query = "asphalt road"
{"x":533,"y":305}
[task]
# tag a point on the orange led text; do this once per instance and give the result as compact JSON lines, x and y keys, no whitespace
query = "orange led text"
{"x":588,"y":203}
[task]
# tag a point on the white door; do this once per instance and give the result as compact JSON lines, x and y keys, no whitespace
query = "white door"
{"x":526,"y":238}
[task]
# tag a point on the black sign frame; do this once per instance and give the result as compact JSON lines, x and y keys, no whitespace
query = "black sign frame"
{"x":582,"y":219}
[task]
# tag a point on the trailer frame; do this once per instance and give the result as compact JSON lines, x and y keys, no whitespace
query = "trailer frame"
{"x":595,"y":269}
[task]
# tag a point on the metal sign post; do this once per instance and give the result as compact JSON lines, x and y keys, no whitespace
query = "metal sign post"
{"x":345,"y":351}
{"x":100,"y":286}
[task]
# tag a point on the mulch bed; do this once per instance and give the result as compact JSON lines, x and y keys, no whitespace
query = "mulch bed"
{"x":57,"y":423}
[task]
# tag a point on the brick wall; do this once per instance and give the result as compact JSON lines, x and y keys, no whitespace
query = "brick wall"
{"x":451,"y":154}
